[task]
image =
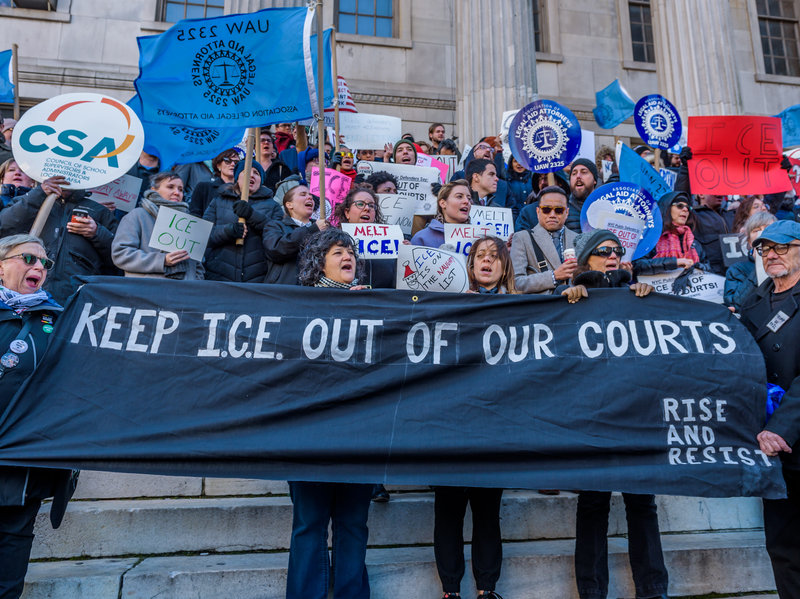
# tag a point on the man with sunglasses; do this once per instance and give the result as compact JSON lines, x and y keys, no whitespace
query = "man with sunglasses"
{"x":771,"y":314}
{"x":537,"y":254}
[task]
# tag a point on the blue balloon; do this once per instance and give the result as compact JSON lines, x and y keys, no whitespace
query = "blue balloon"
{"x":631,"y":200}
{"x":544,"y":136}
{"x":657,"y":121}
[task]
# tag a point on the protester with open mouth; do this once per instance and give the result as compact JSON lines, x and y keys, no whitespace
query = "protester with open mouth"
{"x":453,"y":206}
{"x":27,"y":314}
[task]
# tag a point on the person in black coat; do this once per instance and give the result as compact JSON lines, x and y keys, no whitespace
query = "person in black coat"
{"x":27,"y":314}
{"x":770,"y":313}
{"x":223,"y":166}
{"x":225,"y":260}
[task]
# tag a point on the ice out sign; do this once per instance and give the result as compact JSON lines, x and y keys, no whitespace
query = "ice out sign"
{"x":175,"y":230}
{"x":375,"y":241}
{"x":89,"y":139}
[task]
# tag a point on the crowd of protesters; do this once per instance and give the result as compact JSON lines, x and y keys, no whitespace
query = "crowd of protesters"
{"x":277,"y":236}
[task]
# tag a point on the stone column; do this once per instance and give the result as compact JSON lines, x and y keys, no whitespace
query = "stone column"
{"x":695,"y":56}
{"x":495,"y":63}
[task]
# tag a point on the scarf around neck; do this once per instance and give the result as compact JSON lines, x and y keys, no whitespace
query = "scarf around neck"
{"x":677,"y":243}
{"x":326,"y":282}
{"x":151,"y":202}
{"x":19,"y":302}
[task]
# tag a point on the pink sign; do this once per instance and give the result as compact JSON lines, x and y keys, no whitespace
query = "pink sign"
{"x":425,"y":160}
{"x":336,"y":187}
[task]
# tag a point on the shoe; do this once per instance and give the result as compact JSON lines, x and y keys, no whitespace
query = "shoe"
{"x":380,"y":494}
{"x":489,"y":595}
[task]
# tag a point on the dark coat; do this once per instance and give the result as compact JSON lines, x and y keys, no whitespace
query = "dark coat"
{"x":283,"y":240}
{"x":527,"y":218}
{"x":226,"y":261}
{"x":782,"y":357}
{"x":19,"y":485}
{"x":574,"y":218}
{"x":519,"y":188}
{"x":144,"y":173}
{"x":380,"y":274}
{"x":276,"y":173}
{"x":710,"y":225}
{"x":9,"y":194}
{"x":74,"y":255}
{"x":203,"y":194}
{"x":740,"y":281}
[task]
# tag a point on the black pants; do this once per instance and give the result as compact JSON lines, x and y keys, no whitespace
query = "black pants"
{"x":16,"y":540}
{"x":782,"y":532}
{"x":448,"y":536}
{"x":644,"y":545}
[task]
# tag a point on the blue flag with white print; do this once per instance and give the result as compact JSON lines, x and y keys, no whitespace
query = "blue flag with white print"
{"x":6,"y":84}
{"x":243,"y":70}
{"x":614,"y":105}
{"x":790,"y":122}
{"x":635,"y":169}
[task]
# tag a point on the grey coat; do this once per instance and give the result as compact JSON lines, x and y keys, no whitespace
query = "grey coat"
{"x":528,"y":277}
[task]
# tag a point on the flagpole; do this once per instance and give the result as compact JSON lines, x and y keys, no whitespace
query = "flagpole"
{"x":15,"y":75}
{"x":335,"y":77}
{"x":248,"y":169}
{"x":321,"y":110}
{"x":657,"y":161}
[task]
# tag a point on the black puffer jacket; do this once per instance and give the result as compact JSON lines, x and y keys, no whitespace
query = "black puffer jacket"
{"x":283,"y":240}
{"x":226,"y":261}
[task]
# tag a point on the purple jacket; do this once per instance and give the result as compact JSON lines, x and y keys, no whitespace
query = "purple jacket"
{"x":431,"y":236}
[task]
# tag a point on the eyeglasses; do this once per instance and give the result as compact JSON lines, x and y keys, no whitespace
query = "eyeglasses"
{"x":229,"y":160}
{"x":31,"y":259}
{"x":779,"y":248}
{"x":606,"y":251}
{"x":682,"y":205}
{"x":484,"y":147}
{"x":360,"y":204}
{"x":548,"y":209}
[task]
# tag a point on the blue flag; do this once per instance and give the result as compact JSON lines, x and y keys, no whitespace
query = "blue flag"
{"x":614,"y":105}
{"x":6,"y":85}
{"x":176,"y":144}
{"x":635,"y":169}
{"x":241,"y":70}
{"x":790,"y":120}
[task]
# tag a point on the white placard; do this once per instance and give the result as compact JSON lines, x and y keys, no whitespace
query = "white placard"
{"x":587,"y":146}
{"x":761,"y":274}
{"x":375,"y":241}
{"x":608,"y":169}
{"x":703,"y":286}
{"x":412,"y":181}
{"x":502,"y":219}
{"x":627,"y":228}
{"x":398,"y":210}
{"x":505,"y":125}
{"x":451,"y":160}
{"x":460,"y":237}
{"x":421,"y":268}
{"x":175,"y":230}
{"x":364,"y":131}
{"x":124,"y":192}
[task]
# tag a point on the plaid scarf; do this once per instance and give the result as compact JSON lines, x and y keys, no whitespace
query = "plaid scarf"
{"x":326,"y":282}
{"x":677,"y":243}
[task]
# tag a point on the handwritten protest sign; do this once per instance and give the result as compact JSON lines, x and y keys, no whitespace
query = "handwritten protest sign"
{"x":421,"y":268}
{"x":450,"y":161}
{"x":368,"y":131}
{"x":175,"y":230}
{"x":502,"y":219}
{"x":412,"y":181}
{"x":123,"y":192}
{"x":398,"y":210}
{"x":425,"y":160}
{"x":337,"y":186}
{"x":794,"y":174}
{"x":702,"y":286}
{"x":460,"y":237}
{"x":375,"y":241}
{"x":627,"y":228}
{"x":734,"y":248}
{"x":736,"y":155}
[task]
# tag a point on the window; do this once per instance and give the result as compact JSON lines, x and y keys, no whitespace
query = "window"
{"x":641,"y":31}
{"x":33,"y":4}
{"x":175,"y":10}
{"x":537,"y":26}
{"x":777,"y":25}
{"x":366,"y":17}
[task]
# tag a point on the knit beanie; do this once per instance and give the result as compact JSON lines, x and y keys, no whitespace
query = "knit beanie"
{"x":588,"y":164}
{"x":586,"y":242}
{"x":398,"y":144}
{"x":240,"y":167}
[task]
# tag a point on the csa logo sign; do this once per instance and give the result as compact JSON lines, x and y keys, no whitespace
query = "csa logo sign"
{"x":89,"y":139}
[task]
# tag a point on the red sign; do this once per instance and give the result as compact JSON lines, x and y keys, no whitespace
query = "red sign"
{"x":736,"y":155}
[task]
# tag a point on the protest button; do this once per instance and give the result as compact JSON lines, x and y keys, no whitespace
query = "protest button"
{"x":89,"y":139}
{"x":412,"y":181}
{"x":123,"y":192}
{"x":175,"y":230}
{"x":461,"y":237}
{"x":544,"y":136}
{"x":501,"y":219}
{"x":398,"y":210}
{"x":375,"y":241}
{"x":657,"y":121}
{"x":422,"y":268}
{"x":734,"y":248}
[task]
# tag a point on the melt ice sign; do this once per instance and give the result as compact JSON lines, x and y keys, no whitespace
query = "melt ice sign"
{"x":375,"y":241}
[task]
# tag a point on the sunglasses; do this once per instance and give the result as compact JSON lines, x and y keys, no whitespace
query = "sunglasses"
{"x":548,"y":209}
{"x":229,"y":160}
{"x":779,"y":248}
{"x":682,"y":205}
{"x":31,"y":259}
{"x":360,"y":204}
{"x":606,"y":251}
{"x":347,"y":154}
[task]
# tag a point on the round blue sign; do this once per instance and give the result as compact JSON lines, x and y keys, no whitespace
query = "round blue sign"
{"x":544,"y":136}
{"x":621,"y":208}
{"x":657,"y":121}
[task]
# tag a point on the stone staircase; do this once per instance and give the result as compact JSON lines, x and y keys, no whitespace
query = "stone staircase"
{"x":135,"y":537}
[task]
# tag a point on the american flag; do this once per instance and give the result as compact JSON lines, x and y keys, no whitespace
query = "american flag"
{"x":346,"y":103}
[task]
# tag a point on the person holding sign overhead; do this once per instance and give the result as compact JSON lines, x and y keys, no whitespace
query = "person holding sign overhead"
{"x":452,"y":206}
{"x":131,"y":249}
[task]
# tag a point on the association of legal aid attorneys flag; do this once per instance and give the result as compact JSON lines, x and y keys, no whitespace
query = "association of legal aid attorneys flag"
{"x":177,"y":144}
{"x":6,"y":83}
{"x":614,"y":105}
{"x":233,"y":71}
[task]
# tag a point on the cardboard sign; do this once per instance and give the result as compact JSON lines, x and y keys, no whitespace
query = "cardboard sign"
{"x":736,"y":155}
{"x":502,"y":219}
{"x":398,"y":210}
{"x":734,"y":248}
{"x":703,"y":286}
{"x":412,"y":181}
{"x":337,"y":187}
{"x":124,"y":192}
{"x":421,"y":268}
{"x":627,"y":228}
{"x":425,"y":160}
{"x":460,"y":237}
{"x":669,"y":177}
{"x":375,"y":241}
{"x":89,"y":139}
{"x":368,"y":131}
{"x":175,"y":230}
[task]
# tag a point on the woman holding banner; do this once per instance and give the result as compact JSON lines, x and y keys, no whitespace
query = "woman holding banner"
{"x":131,"y":251}
{"x":452,"y":206}
{"x":27,"y":314}
{"x":329,"y":260}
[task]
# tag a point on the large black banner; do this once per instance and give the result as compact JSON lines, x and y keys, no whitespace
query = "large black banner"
{"x":656,"y":394}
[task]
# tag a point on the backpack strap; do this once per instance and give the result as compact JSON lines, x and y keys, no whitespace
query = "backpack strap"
{"x":540,"y":260}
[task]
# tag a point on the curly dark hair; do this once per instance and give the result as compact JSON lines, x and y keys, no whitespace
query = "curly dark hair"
{"x":381,"y":177}
{"x":311,"y":263}
{"x":350,"y":198}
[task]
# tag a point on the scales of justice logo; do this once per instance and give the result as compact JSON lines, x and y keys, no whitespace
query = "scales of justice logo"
{"x":225,"y":70}
{"x":542,"y":137}
{"x":658,"y":122}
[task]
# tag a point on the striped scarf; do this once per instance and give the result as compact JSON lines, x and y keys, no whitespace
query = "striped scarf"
{"x":677,"y":243}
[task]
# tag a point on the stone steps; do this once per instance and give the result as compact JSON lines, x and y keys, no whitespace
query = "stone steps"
{"x":699,"y":564}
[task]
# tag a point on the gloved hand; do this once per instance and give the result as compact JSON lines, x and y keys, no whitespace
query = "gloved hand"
{"x":681,"y":284}
{"x":785,"y":164}
{"x":243,"y":209}
{"x":685,"y":155}
{"x":234,"y":230}
{"x":336,"y":159}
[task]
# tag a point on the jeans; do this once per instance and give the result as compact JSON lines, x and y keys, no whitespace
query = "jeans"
{"x":782,"y":534}
{"x":315,"y":505}
{"x":448,"y":536}
{"x":16,"y":540}
{"x":644,"y":545}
